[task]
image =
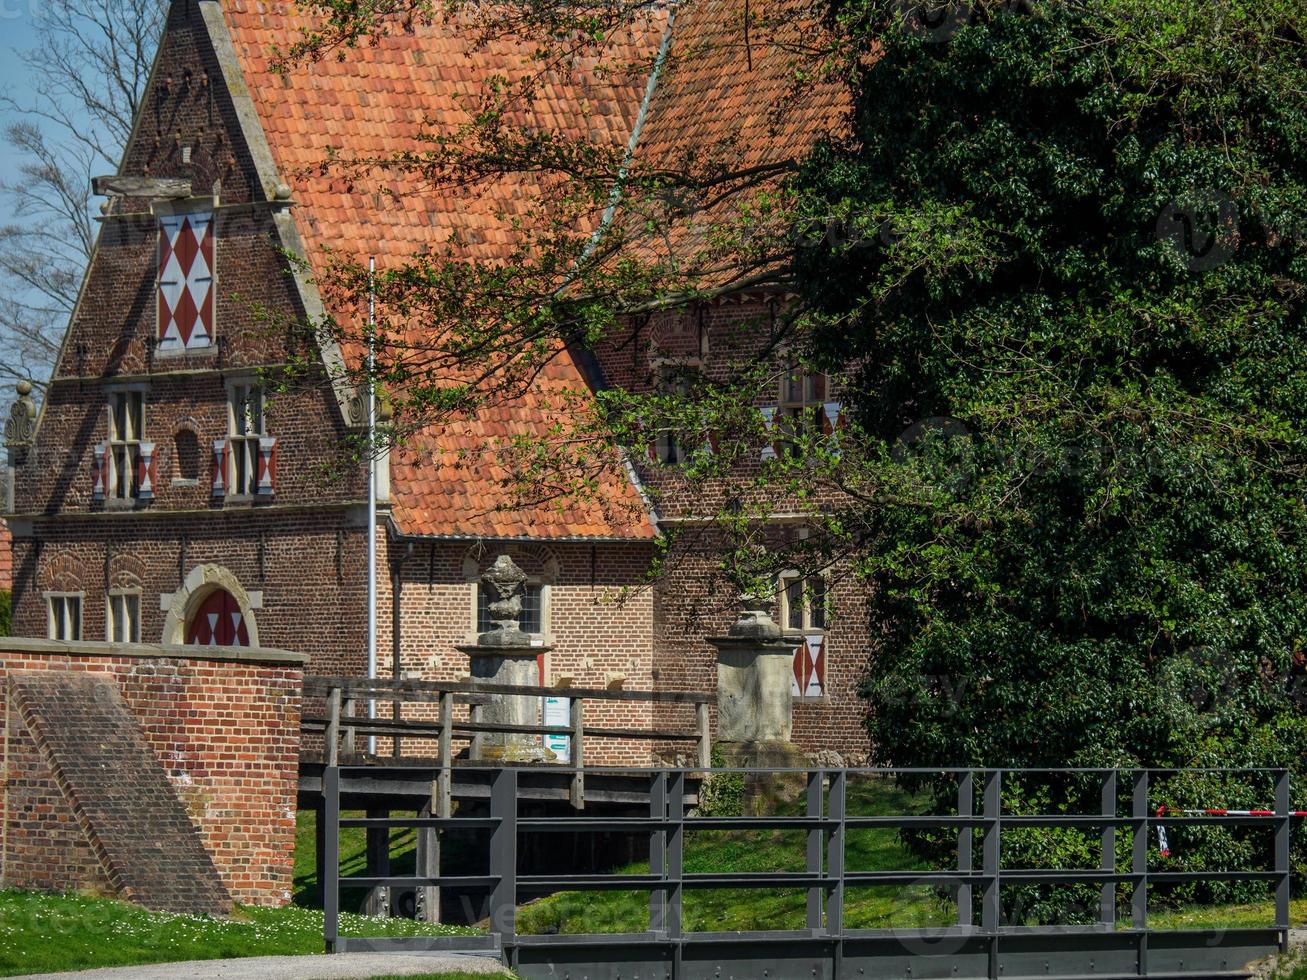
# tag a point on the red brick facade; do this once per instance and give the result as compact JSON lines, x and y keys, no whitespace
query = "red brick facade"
{"x":225,"y":728}
{"x":295,"y":559}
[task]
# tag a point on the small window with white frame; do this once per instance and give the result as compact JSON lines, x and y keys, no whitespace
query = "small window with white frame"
{"x":123,"y":617}
{"x":803,"y":603}
{"x":126,"y":432}
{"x":804,"y":610}
{"x":246,"y":424}
{"x":64,"y":612}
{"x":800,"y":409}
{"x":530,"y":620}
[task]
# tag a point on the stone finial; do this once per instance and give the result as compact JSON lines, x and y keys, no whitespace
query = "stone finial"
{"x":503,"y":583}
{"x":20,"y":427}
{"x":755,"y":622}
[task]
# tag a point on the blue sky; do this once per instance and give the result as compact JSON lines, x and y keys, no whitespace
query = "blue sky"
{"x":17,"y":33}
{"x":16,"y":26}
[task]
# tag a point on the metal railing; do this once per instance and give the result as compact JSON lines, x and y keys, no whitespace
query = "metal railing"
{"x":983,"y":946}
{"x":344,"y":696}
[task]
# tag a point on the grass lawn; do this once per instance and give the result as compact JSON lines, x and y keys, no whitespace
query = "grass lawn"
{"x":729,"y":909}
{"x":40,"y":933}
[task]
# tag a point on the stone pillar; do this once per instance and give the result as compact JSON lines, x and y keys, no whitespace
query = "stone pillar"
{"x":504,"y":655}
{"x":755,"y":669}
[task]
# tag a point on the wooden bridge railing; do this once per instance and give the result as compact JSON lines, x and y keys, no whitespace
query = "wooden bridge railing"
{"x":342,"y":724}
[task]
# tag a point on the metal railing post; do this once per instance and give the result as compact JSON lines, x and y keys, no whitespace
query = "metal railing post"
{"x":578,"y":753}
{"x":1139,"y":866}
{"x":658,"y":852}
{"x":675,"y":867}
{"x":1107,"y":861}
{"x":837,"y":811}
{"x":503,"y":855}
{"x":991,"y":856}
{"x":966,"y":839}
{"x":816,"y":839}
{"x":331,"y":861}
{"x":1283,"y":805}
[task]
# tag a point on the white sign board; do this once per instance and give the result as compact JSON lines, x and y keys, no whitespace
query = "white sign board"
{"x":558,"y":711}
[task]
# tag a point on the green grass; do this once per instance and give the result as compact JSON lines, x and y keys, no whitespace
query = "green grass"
{"x":47,"y":933}
{"x":731,"y":909}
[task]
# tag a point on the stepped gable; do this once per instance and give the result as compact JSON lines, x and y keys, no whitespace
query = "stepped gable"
{"x":150,"y":850}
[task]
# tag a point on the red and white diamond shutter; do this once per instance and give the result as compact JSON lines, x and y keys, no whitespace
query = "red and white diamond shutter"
{"x":218,"y":622}
{"x":810,"y":667}
{"x":186,"y":280}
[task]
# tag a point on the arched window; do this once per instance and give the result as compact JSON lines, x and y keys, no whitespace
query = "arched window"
{"x":217,"y":621}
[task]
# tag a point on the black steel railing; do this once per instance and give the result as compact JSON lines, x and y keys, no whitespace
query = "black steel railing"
{"x":984,"y":945}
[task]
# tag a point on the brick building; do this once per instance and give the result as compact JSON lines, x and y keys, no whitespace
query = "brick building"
{"x":169,"y":496}
{"x":6,"y":558}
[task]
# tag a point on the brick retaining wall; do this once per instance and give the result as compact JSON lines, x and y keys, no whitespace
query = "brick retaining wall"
{"x":224,"y":724}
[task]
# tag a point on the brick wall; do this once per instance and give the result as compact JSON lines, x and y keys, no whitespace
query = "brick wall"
{"x":224,"y":724}
{"x":598,"y":622}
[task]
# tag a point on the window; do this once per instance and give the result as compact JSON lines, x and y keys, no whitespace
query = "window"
{"x":246,"y":427}
{"x":123,"y":618}
{"x":126,"y":429}
{"x":803,"y":603}
{"x":676,"y":382}
{"x":65,"y":617}
{"x":186,"y":456}
{"x":532,"y":618}
{"x":800,"y":410}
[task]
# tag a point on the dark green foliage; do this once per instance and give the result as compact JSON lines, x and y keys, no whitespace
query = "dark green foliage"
{"x":6,"y":612}
{"x":1071,"y":247}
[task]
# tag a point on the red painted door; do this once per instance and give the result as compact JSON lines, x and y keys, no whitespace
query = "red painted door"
{"x":218,"y":622}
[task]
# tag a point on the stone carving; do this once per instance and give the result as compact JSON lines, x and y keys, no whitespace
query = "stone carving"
{"x":755,"y":622}
{"x":20,"y":427}
{"x":503,"y":583}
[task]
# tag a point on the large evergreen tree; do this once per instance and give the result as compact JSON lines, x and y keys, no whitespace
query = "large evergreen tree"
{"x":1078,"y":232}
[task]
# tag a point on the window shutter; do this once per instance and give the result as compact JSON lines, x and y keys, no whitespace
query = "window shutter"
{"x":145,"y":472}
{"x":186,"y":293}
{"x":768,"y":423}
{"x":833,"y":417}
{"x":219,"y":468}
{"x":809,"y":679}
{"x":267,"y":483}
{"x":98,"y":472}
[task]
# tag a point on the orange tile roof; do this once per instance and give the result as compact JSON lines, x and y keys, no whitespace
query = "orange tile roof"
{"x":377,"y":101}
{"x":6,"y":558}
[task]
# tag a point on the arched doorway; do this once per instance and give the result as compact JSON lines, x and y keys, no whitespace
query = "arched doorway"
{"x":218,"y":621}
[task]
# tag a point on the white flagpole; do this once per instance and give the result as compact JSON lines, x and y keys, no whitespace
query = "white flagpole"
{"x":372,"y":499}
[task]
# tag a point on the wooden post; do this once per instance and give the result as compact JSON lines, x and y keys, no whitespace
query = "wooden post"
{"x":705,"y":735}
{"x":428,"y":859}
{"x":445,"y":756}
{"x":349,"y":729}
{"x":578,"y":754}
{"x":331,"y":751}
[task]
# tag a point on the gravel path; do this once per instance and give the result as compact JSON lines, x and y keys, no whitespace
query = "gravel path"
{"x":346,"y":966}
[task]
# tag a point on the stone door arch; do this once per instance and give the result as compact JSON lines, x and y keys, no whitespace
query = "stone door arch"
{"x":211,"y":608}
